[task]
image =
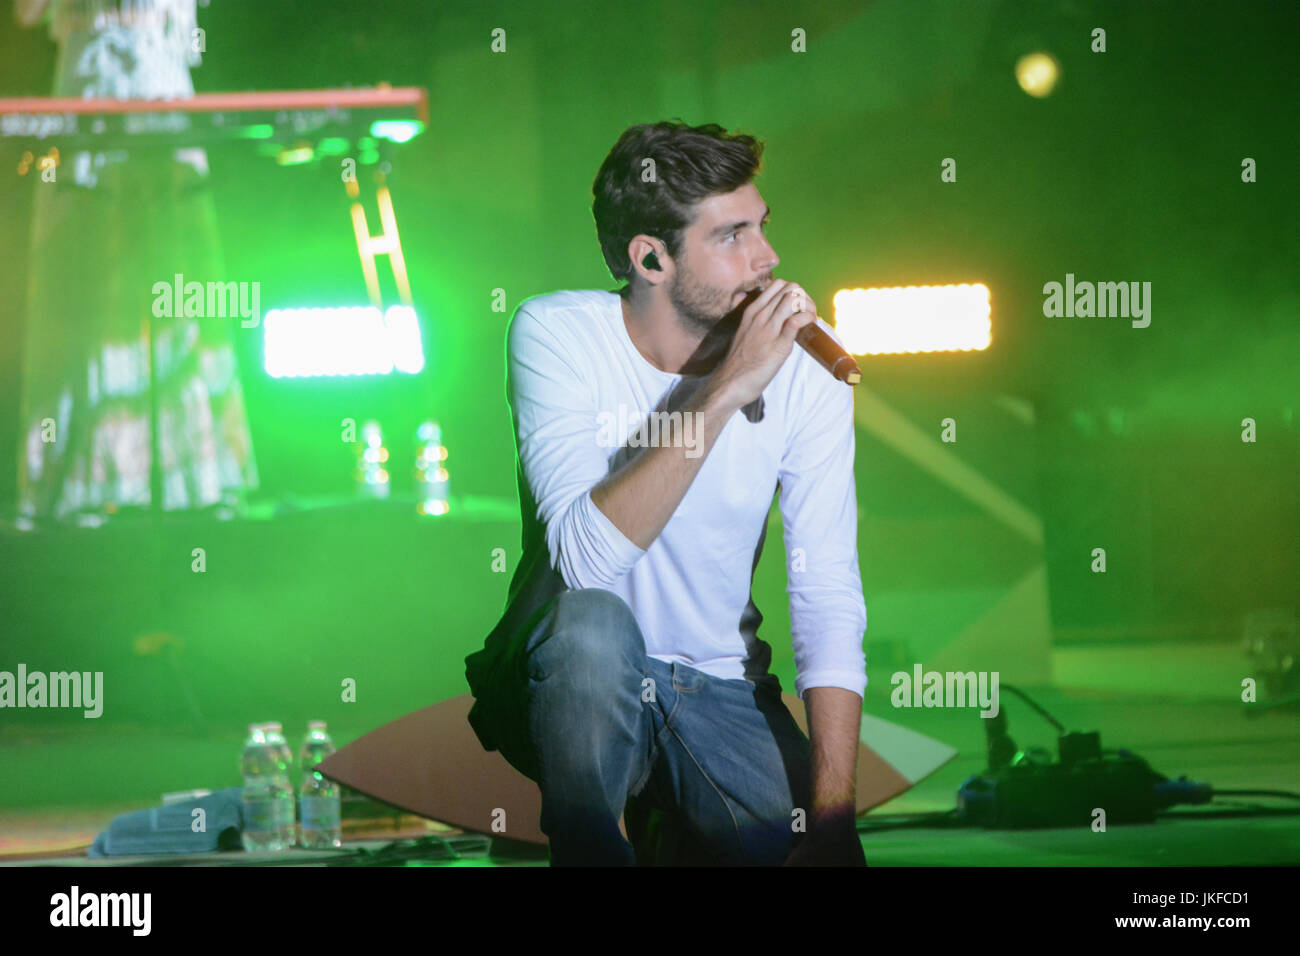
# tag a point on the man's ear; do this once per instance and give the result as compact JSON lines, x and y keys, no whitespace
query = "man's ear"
{"x":644,"y":256}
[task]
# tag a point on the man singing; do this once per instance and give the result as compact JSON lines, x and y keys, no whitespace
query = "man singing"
{"x":627,"y":663}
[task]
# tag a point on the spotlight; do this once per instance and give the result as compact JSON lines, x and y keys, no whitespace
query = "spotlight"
{"x":1038,"y":73}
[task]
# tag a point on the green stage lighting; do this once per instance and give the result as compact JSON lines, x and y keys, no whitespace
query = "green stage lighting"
{"x":396,"y":131}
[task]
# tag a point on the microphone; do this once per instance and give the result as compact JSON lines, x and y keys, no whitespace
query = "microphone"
{"x":827,"y":351}
{"x":817,"y":343}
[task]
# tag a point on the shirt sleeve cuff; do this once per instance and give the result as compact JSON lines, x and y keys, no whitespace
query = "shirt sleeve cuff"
{"x":623,"y":553}
{"x":855,"y":681}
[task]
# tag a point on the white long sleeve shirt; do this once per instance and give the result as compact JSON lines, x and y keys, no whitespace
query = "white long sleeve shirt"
{"x":583,"y":399}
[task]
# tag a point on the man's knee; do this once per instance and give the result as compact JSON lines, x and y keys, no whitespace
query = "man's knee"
{"x":593,"y":602}
{"x":589,"y":627}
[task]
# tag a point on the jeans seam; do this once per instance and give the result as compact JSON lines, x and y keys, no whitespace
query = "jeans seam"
{"x":677,"y":703}
{"x":735,"y":824}
{"x":655,"y":747}
{"x":639,"y":785}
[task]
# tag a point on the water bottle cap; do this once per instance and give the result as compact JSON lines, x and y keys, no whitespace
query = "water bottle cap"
{"x":315,"y":725}
{"x":273,"y":725}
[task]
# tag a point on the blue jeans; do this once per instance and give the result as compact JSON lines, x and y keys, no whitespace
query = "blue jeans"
{"x":576,"y":705}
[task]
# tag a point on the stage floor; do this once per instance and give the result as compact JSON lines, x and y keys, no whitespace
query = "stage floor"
{"x":1209,"y":740}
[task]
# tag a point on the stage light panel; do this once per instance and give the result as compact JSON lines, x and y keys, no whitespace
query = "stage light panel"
{"x":946,"y":318}
{"x":355,"y":340}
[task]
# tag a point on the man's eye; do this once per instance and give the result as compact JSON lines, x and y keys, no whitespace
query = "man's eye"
{"x":764,"y":225}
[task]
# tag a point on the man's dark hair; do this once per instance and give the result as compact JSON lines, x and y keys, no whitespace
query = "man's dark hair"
{"x":691,"y":163}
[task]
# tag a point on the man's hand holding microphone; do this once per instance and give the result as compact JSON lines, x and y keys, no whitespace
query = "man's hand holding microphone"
{"x":763,"y":341}
{"x":643,"y":494}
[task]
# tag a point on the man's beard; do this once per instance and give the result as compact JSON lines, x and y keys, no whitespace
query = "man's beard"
{"x":706,"y":312}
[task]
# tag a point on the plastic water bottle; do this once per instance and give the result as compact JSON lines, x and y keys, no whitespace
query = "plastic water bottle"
{"x":318,"y":797}
{"x":283,"y":767}
{"x":261,"y":828}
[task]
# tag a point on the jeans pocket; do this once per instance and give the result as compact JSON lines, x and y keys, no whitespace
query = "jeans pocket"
{"x":688,"y":680}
